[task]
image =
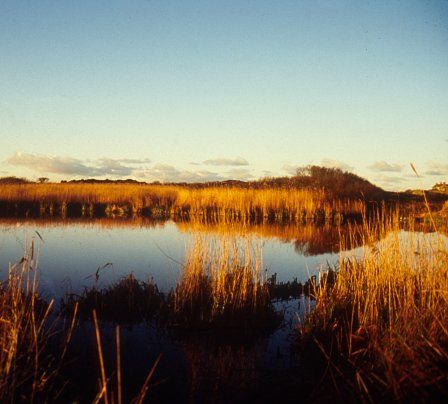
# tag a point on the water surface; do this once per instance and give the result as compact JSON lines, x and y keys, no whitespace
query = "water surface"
{"x":70,"y":252}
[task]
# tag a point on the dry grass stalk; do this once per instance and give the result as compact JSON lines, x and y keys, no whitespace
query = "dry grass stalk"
{"x":106,"y":393}
{"x":27,"y":369}
{"x":385,"y":319}
{"x":289,"y":203}
{"x":222,"y":283}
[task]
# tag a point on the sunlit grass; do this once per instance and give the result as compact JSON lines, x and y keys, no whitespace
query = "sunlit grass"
{"x":223,"y":284}
{"x":382,"y":324}
{"x":28,"y":371}
{"x":168,"y":200}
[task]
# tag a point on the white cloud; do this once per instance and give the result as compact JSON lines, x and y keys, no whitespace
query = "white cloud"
{"x":383,"y":166}
{"x":240,"y":174}
{"x":74,"y":166}
{"x":134,"y":161}
{"x":390,"y":179}
{"x":437,"y":169}
{"x":268,"y":173}
{"x":290,"y":169}
{"x":169,"y":173}
{"x":330,"y":163}
{"x":221,"y":161}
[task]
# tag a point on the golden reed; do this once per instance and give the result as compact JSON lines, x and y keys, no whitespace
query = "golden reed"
{"x":233,"y":202}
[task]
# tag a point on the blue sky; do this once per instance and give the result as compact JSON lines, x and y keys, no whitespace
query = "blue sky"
{"x":203,"y":90}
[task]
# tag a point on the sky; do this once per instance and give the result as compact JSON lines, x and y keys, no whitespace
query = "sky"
{"x":211,"y":90}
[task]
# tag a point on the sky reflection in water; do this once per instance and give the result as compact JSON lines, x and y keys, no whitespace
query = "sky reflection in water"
{"x":72,"y":251}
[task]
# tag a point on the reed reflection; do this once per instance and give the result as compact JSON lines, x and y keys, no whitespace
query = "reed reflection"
{"x":308,"y":239}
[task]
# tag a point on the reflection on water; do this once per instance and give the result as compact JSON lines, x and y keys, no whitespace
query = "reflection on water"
{"x":195,"y":367}
{"x":307,"y":239}
{"x":73,"y":250}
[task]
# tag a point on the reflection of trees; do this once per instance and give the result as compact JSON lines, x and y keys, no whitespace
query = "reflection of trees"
{"x":328,"y":239}
{"x":308,"y":239}
{"x":315,"y":240}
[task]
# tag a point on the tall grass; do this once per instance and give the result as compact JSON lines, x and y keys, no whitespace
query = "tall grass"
{"x":223,"y":285}
{"x":33,"y":344}
{"x":28,"y":371}
{"x":233,"y":202}
{"x":382,"y":323}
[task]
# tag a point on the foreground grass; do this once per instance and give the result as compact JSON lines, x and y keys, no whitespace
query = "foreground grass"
{"x":28,"y":372}
{"x":34,"y":344}
{"x":223,"y":285}
{"x":380,"y":327}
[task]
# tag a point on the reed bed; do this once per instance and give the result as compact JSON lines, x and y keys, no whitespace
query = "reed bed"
{"x":223,"y":285}
{"x":174,"y":200}
{"x":28,"y":370}
{"x":128,"y":300}
{"x":34,"y":344}
{"x":381,"y":325}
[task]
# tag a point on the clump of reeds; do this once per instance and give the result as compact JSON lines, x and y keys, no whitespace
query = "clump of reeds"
{"x":28,"y":370}
{"x":223,"y":285}
{"x":128,"y":300}
{"x":381,"y":325}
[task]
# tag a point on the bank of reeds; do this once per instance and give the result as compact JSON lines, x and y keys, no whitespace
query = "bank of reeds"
{"x":28,"y":370}
{"x":173,"y":200}
{"x":34,"y":344}
{"x":223,"y":285}
{"x":128,"y":300}
{"x":380,"y":326}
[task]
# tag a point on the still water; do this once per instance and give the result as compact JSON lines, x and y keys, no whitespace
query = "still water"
{"x":198,"y":366}
{"x":70,"y":252}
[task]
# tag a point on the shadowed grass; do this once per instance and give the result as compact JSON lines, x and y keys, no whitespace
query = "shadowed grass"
{"x":28,"y":368}
{"x":128,"y":300}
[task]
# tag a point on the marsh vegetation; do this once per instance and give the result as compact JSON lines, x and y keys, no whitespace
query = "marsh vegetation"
{"x":369,"y":323}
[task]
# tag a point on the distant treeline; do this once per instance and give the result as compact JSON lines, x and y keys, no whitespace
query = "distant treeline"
{"x":334,"y":181}
{"x":14,"y":180}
